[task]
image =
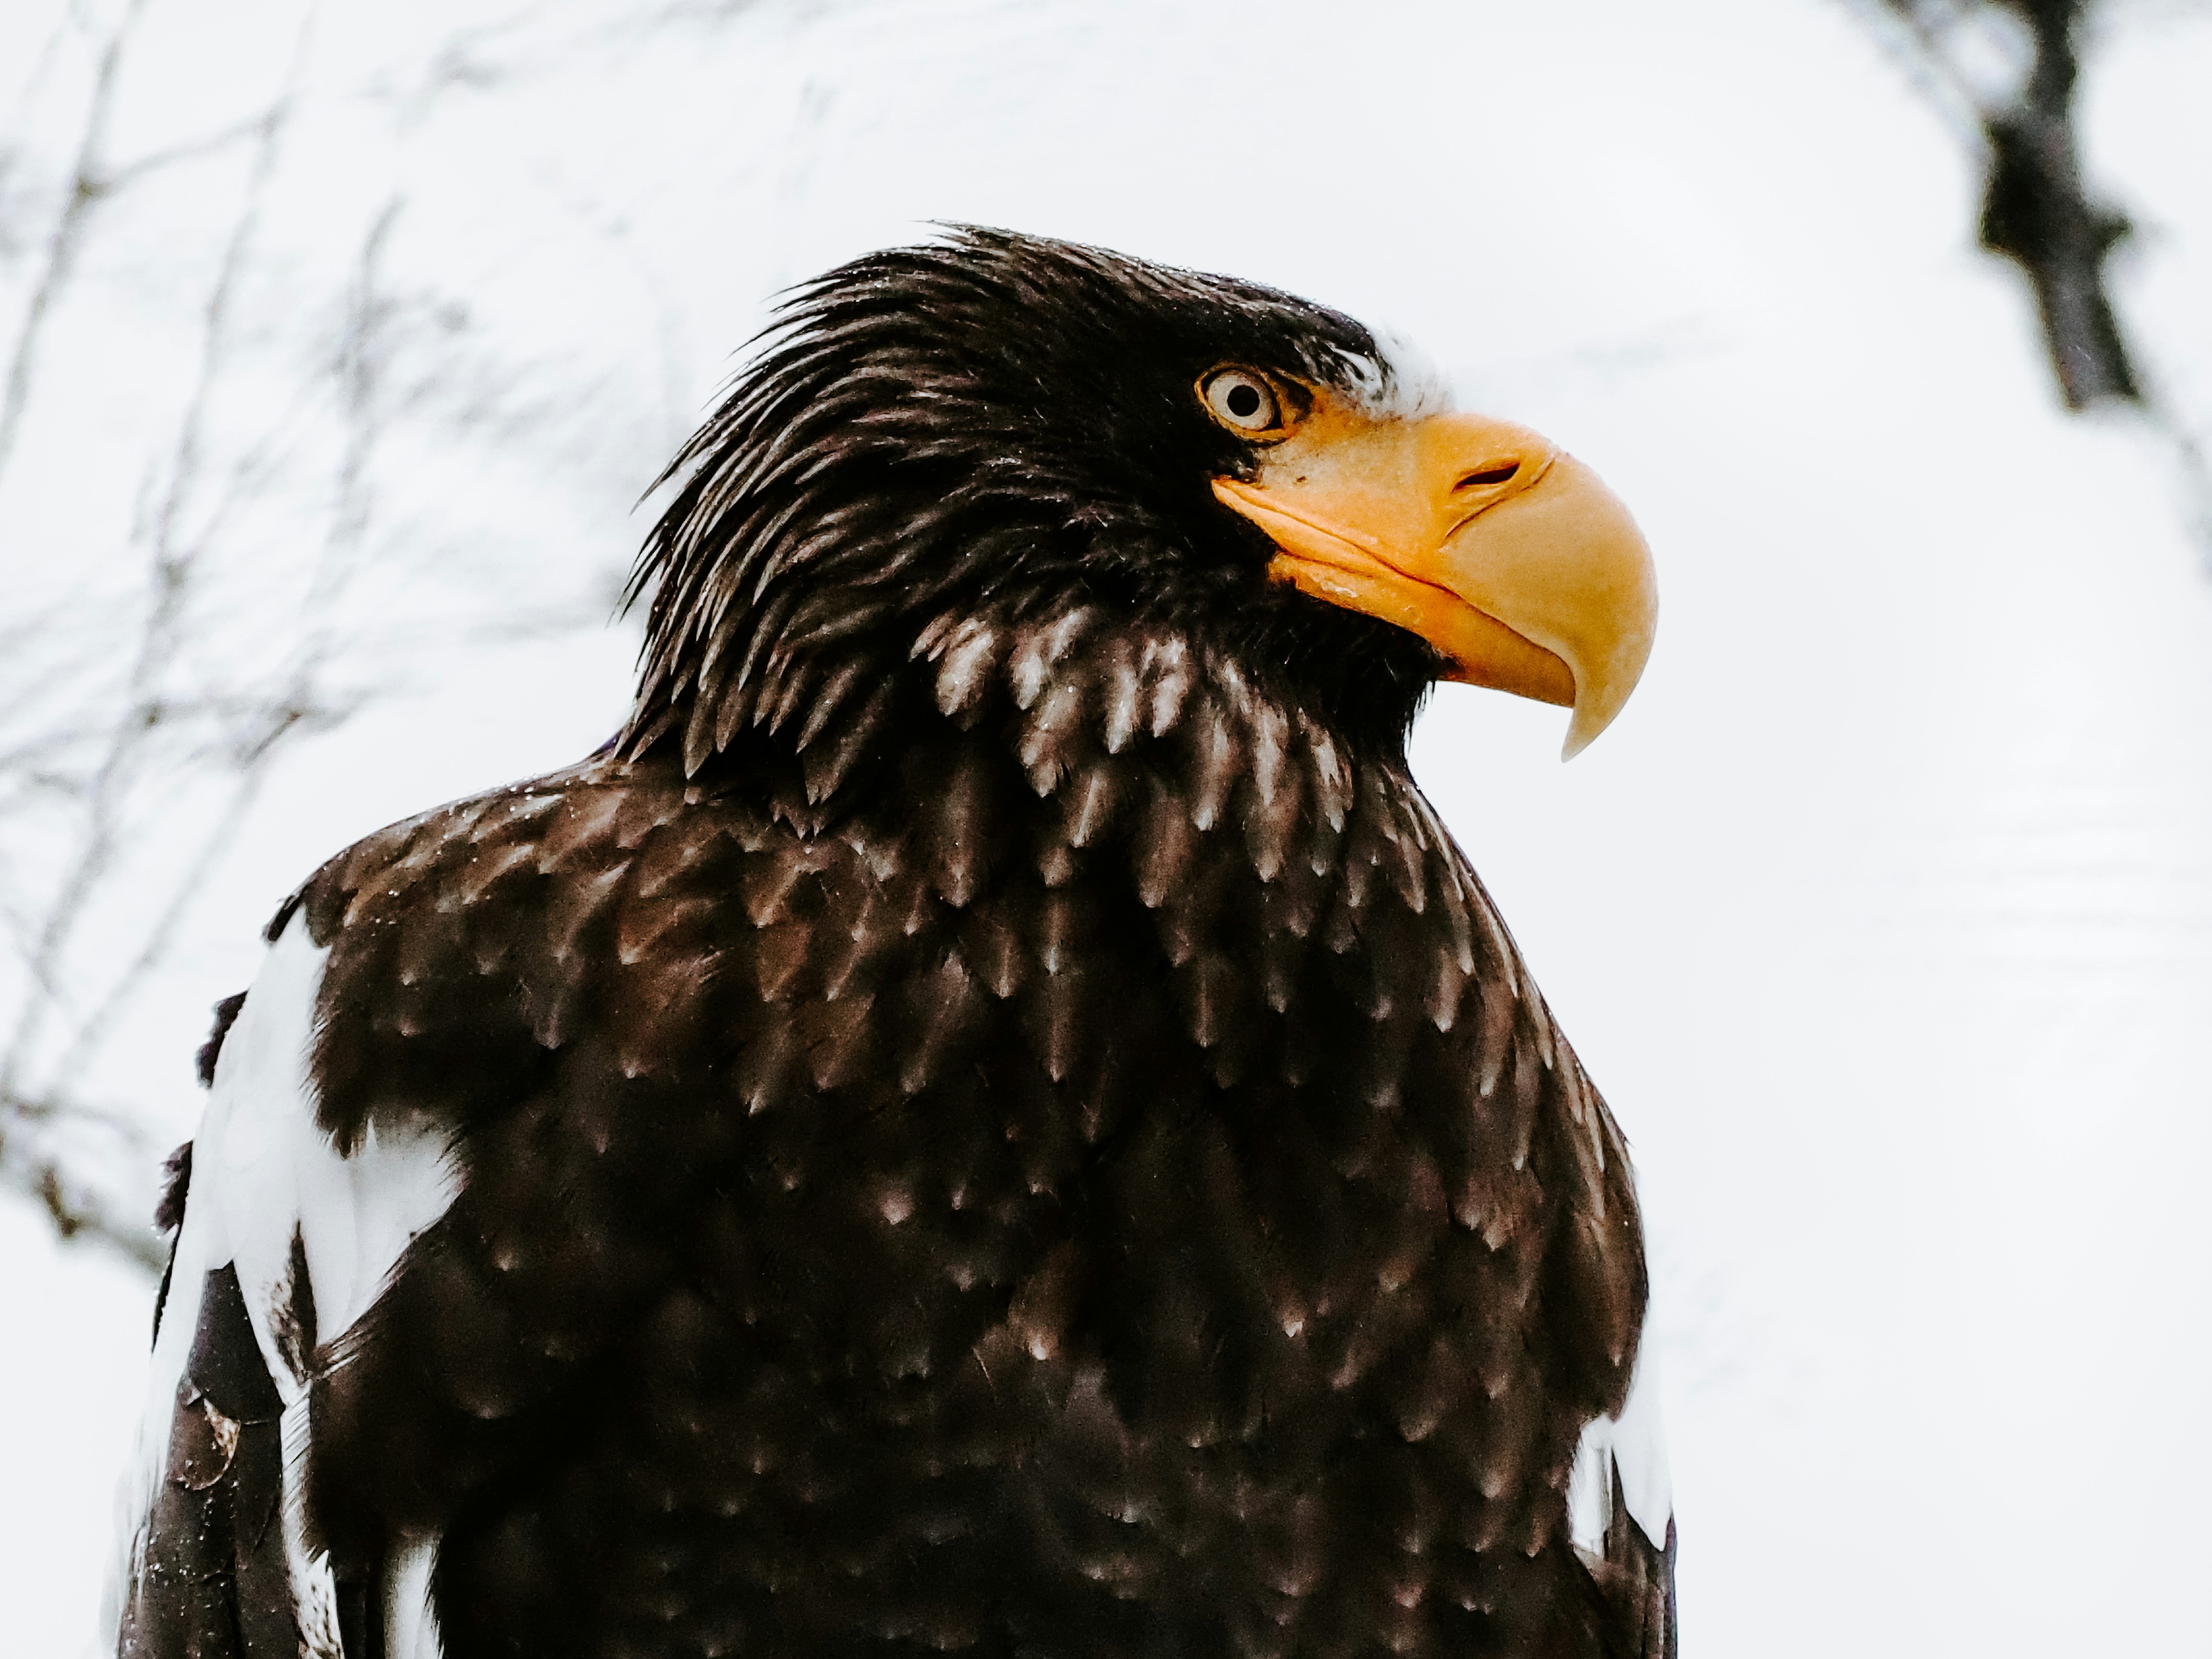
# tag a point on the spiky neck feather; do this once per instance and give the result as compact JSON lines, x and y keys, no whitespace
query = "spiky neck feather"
{"x":996,"y":426}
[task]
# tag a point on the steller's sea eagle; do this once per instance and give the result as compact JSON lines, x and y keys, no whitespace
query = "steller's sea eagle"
{"x":992,"y":1118}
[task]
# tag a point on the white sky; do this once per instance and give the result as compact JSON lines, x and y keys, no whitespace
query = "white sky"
{"x":1883,"y":916}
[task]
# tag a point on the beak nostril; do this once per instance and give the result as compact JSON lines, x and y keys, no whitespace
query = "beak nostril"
{"x":1489,"y":475}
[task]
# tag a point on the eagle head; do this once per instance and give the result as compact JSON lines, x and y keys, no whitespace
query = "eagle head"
{"x":1005,"y":423}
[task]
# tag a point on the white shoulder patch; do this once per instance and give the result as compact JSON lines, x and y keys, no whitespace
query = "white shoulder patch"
{"x":275,"y":1170}
{"x":1630,"y":1449}
{"x":263,"y":1174}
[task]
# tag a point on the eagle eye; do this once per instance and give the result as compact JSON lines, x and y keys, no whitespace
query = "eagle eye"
{"x":1241,"y":399}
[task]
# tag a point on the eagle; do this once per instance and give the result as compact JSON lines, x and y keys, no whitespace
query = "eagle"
{"x":992,"y":1117}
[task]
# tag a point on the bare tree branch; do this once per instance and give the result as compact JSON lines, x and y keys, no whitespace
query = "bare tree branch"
{"x":173,"y":564}
{"x":147,"y":709}
{"x":214,"y":843}
{"x":76,"y":1209}
{"x":87,"y":184}
{"x":2036,"y":211}
{"x":147,"y":699}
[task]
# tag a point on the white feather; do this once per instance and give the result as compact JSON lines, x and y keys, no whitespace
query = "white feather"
{"x":1416,"y":386}
{"x":356,"y":1213}
{"x":1633,"y":1446}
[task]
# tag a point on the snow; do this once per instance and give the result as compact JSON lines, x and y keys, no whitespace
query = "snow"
{"x":1883,"y":916}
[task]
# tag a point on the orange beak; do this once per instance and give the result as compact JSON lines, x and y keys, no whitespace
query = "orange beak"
{"x":1499,"y":549}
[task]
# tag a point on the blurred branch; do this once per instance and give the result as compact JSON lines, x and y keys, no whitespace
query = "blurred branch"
{"x":76,"y":1209}
{"x":2004,"y":73}
{"x":170,"y":655}
{"x":87,"y":183}
{"x":2036,"y":212}
{"x":174,"y":563}
{"x":173,"y":566}
{"x":214,"y":842}
{"x":91,"y":183}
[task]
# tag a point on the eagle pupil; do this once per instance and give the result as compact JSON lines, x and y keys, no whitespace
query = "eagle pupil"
{"x":1243,"y":401}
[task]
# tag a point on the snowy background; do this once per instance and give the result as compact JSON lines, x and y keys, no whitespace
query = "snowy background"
{"x":1883,"y":916}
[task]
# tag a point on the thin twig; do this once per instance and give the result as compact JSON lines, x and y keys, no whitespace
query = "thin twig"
{"x":87,"y":184}
{"x":1914,"y":43}
{"x":89,"y":739}
{"x":184,"y":888}
{"x":77,"y":1211}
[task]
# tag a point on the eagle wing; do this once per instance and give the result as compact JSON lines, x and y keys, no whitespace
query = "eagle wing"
{"x":284,"y":1243}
